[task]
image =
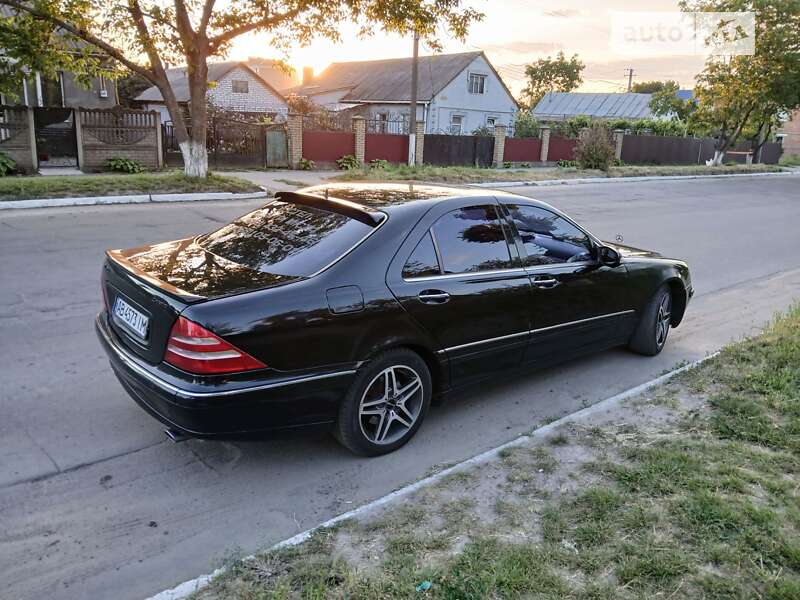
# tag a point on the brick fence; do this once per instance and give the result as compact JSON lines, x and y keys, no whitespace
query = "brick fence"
{"x":18,"y":138}
{"x":116,"y":132}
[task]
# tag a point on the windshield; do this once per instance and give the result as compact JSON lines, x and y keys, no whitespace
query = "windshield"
{"x":286,"y":239}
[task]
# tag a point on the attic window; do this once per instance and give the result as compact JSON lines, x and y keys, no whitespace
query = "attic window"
{"x":240,"y":86}
{"x":477,"y":83}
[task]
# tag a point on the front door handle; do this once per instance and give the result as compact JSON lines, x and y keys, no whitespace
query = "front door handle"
{"x":433,"y":296}
{"x":545,"y":281}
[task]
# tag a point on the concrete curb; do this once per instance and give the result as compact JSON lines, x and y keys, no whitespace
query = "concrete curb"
{"x":130,"y":199}
{"x":187,"y":588}
{"x":583,"y":180}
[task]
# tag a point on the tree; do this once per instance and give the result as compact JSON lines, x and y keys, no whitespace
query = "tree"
{"x":649,"y":87}
{"x":526,"y":125}
{"x":666,"y":103}
{"x":557,"y":74}
{"x":749,"y":91}
{"x":145,"y":36}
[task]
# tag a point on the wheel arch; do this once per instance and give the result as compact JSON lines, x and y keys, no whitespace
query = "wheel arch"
{"x":679,"y":299}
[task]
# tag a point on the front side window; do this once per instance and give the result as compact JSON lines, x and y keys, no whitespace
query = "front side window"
{"x":471,"y":240}
{"x":286,"y":239}
{"x":456,"y":124}
{"x":240,"y":86}
{"x":548,"y":238}
{"x":477,"y":83}
{"x":423,"y":261}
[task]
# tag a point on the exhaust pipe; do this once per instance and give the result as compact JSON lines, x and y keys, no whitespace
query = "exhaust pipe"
{"x":175,"y":435}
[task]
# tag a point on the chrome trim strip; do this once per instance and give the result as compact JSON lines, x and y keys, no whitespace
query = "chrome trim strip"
{"x":551,"y":327}
{"x":494,"y":339}
{"x":134,"y":366}
{"x":475,"y":274}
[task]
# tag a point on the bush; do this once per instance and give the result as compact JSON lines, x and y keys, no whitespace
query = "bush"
{"x":483,"y":131}
{"x":307,"y":164}
{"x":526,"y":125}
{"x":7,"y":165}
{"x":564,"y":163}
{"x":790,"y":160}
{"x":595,"y":150}
{"x":124,"y":165}
{"x":348,"y":163}
{"x":379,"y":164}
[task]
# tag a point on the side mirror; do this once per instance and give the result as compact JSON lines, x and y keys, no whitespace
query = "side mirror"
{"x":608,"y":257}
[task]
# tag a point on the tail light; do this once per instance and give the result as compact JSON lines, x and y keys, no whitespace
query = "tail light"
{"x":195,"y":349}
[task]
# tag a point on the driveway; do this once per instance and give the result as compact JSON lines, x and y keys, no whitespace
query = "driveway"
{"x":95,"y":503}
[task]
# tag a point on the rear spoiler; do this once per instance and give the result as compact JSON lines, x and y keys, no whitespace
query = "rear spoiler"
{"x":373,"y":218}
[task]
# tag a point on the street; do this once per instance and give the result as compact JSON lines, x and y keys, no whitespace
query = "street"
{"x":95,"y":502}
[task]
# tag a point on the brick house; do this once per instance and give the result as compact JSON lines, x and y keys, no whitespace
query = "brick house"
{"x":457,"y":93}
{"x":234,"y":86}
{"x":789,"y":134}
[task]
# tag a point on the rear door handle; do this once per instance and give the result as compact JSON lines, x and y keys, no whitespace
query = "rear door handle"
{"x":433,"y":296}
{"x":545,"y":281}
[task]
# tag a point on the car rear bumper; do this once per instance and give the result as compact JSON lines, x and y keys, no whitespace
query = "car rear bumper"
{"x":224,"y":408}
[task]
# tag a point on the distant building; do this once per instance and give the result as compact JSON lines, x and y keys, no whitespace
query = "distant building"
{"x":789,"y":134}
{"x":63,"y":91}
{"x":238,"y":86}
{"x":560,"y":106}
{"x":457,"y":93}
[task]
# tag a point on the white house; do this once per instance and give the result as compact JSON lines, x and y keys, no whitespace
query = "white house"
{"x":457,"y":93}
{"x":235,"y":86}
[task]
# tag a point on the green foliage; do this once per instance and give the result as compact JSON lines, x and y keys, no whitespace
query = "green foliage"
{"x":595,"y":149}
{"x":307,"y":164}
{"x":378,"y":164}
{"x":649,"y":87}
{"x":7,"y":165}
{"x":564,"y":163}
{"x":483,"y":131}
{"x":507,"y":164}
{"x":665,"y":103}
{"x":790,"y":160}
{"x":558,"y":74}
{"x":120,"y":164}
{"x":348,"y":163}
{"x":526,"y":125}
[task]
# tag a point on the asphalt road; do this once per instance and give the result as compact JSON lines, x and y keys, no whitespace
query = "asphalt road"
{"x":94,"y":503}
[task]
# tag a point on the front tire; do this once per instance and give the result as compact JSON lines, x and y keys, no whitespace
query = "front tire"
{"x":653,"y":329}
{"x":386,"y":403}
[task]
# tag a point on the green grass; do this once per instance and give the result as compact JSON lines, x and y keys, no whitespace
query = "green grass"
{"x":22,"y":188}
{"x":433,"y":174}
{"x":704,"y":506}
{"x":790,"y":160}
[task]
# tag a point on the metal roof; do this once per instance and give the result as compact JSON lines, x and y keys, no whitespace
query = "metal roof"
{"x":563,"y":105}
{"x":388,"y":80}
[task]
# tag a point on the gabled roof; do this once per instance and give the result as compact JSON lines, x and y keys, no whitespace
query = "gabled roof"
{"x":563,"y":105}
{"x":388,"y":80}
{"x":180,"y":82}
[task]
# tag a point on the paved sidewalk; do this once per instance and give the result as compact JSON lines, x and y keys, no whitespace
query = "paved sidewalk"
{"x":276,"y":181}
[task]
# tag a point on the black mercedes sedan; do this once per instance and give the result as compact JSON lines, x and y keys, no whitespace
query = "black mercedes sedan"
{"x":352,"y":306}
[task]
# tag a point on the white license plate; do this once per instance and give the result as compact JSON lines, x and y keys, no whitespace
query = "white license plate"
{"x":131,"y":318}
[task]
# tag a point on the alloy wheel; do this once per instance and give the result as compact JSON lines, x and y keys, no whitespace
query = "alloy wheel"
{"x":391,"y":404}
{"x":663,"y":317}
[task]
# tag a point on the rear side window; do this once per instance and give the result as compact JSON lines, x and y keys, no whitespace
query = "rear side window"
{"x":286,"y":239}
{"x":471,"y":239}
{"x":423,"y":261}
{"x":548,"y":238}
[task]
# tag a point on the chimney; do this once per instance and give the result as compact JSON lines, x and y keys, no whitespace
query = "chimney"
{"x":308,"y":75}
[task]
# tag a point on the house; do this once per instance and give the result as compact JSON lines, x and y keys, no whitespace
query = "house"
{"x":457,"y":93}
{"x":789,"y":134}
{"x":237,"y":86}
{"x":63,"y":91}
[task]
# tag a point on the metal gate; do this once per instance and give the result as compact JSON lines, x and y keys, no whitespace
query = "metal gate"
{"x":277,"y":147}
{"x":466,"y":150}
{"x":56,"y":144}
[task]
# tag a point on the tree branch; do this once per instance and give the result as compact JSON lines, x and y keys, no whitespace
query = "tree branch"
{"x":208,"y":9}
{"x":87,"y":37}
{"x":235,"y":32}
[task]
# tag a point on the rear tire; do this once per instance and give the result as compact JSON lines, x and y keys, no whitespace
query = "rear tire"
{"x":386,"y":404}
{"x":651,"y":333}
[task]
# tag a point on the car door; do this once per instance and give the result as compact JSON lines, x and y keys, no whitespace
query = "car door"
{"x":458,"y":275}
{"x":576,"y":304}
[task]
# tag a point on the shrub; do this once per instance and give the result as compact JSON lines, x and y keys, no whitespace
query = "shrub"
{"x":119,"y":164}
{"x":379,"y":164}
{"x":526,"y":125}
{"x":483,"y":131}
{"x":595,"y":150}
{"x":564,"y":163}
{"x":307,"y":164}
{"x":348,"y":163}
{"x":507,"y":164}
{"x":7,"y":165}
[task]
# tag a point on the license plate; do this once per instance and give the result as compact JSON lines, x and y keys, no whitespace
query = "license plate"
{"x":131,"y":318}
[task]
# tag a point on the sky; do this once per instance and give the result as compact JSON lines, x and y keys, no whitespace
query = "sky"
{"x":512,"y":34}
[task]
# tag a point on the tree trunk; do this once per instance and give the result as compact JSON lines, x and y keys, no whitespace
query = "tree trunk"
{"x":195,"y":158}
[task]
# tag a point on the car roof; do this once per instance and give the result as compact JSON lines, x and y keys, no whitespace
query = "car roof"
{"x":385,"y":196}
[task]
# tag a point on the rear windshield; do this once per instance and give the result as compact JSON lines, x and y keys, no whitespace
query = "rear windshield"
{"x":286,"y":239}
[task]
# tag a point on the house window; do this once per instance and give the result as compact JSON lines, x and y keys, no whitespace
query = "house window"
{"x":477,"y":83}
{"x":240,"y":86}
{"x":456,"y":124}
{"x":490,"y":121}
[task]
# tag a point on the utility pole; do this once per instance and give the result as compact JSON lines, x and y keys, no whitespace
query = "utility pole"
{"x":629,"y":73}
{"x":412,"y":113}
